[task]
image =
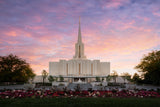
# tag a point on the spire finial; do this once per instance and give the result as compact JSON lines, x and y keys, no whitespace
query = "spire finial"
{"x":79,"y":32}
{"x":79,"y":19}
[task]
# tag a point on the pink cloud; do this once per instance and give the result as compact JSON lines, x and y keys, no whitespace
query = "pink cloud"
{"x":114,"y":3}
{"x":38,"y":18}
{"x":156,"y":14}
{"x":11,"y":33}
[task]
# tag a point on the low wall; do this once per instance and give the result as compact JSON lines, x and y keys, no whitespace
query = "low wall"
{"x":98,"y":83}
{"x":12,"y":87}
{"x":59,"y":83}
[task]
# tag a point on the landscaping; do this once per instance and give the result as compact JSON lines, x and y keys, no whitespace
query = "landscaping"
{"x":115,"y":98}
{"x":12,"y":94}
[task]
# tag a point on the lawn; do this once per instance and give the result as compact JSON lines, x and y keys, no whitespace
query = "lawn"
{"x":80,"y":102}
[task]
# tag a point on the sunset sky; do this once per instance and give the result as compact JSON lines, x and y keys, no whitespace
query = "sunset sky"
{"x":118,"y":31}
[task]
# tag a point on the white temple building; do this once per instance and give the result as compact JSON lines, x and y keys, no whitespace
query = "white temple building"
{"x":79,"y":68}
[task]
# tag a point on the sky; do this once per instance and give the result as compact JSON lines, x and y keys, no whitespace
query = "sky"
{"x":117,"y":31}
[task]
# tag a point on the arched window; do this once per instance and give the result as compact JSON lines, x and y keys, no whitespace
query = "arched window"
{"x":79,"y":51}
{"x":79,"y":68}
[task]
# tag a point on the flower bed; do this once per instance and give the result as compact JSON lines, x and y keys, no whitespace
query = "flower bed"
{"x":53,"y":93}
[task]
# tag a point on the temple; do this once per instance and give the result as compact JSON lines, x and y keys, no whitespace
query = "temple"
{"x":79,"y":68}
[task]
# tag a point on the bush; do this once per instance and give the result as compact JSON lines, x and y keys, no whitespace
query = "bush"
{"x":61,"y":84}
{"x":97,"y":79}
{"x":43,"y":84}
{"x":11,"y":83}
{"x":114,"y":84}
{"x":61,"y":78}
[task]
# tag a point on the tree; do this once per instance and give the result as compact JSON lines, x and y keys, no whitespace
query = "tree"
{"x":114,"y":75}
{"x":150,"y":67}
{"x":102,"y":79}
{"x":61,"y":78}
{"x":108,"y":78}
{"x":126,"y":76}
{"x":136,"y":78}
{"x":14,"y":69}
{"x":44,"y":75}
{"x":97,"y":79}
{"x":50,"y":78}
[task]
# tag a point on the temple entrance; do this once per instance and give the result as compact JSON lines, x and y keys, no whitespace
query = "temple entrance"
{"x":79,"y":80}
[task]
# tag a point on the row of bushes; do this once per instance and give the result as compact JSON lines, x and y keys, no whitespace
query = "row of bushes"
{"x":11,"y":83}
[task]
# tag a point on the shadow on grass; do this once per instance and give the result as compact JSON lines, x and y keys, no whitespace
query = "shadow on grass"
{"x":80,"y":102}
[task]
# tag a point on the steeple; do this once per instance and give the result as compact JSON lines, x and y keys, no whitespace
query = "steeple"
{"x":79,"y":46}
{"x":79,"y":32}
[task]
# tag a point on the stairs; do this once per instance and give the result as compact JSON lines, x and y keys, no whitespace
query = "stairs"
{"x":83,"y":86}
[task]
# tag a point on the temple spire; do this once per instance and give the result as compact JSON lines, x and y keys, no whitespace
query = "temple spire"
{"x":79,"y":32}
{"x":79,"y":46}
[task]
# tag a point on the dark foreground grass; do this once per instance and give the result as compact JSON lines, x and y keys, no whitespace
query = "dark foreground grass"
{"x":81,"y":102}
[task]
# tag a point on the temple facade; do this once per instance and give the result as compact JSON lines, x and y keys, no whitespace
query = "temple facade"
{"x":79,"y":68}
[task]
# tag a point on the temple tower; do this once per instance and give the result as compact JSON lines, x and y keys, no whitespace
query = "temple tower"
{"x":79,"y":46}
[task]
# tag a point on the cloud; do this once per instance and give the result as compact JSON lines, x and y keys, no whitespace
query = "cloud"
{"x":119,"y":31}
{"x":114,"y":3}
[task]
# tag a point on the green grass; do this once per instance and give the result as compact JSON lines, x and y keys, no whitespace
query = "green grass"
{"x":81,"y":102}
